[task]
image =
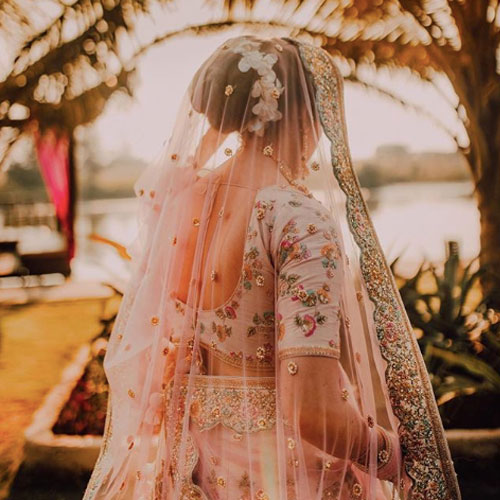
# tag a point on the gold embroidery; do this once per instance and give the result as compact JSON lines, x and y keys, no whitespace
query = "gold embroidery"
{"x":357,"y":490}
{"x":268,"y":150}
{"x":330,"y":352}
{"x":311,"y":228}
{"x":292,"y":367}
{"x":383,"y":456}
{"x":228,"y":90}
{"x":410,"y":390}
{"x":223,"y":400}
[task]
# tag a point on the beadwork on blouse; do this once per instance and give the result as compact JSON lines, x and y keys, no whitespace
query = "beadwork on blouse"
{"x":308,"y":265}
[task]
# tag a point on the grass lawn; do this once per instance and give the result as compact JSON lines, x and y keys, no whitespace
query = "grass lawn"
{"x":37,"y":341}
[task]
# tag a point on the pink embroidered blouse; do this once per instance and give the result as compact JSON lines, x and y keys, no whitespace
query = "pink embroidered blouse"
{"x":291,"y":271}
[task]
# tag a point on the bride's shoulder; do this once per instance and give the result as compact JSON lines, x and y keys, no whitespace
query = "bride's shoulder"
{"x":283,"y":198}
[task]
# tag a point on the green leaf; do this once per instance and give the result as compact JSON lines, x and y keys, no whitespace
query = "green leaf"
{"x":469,"y":363}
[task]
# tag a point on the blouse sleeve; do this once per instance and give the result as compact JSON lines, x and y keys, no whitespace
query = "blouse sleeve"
{"x":308,"y":262}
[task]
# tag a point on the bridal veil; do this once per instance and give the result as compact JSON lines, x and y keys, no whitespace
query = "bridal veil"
{"x":262,"y":350}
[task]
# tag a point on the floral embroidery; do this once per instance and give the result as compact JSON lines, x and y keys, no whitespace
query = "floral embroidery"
{"x":262,"y":324}
{"x":244,"y":485}
{"x":226,"y":402}
{"x":252,"y":268}
{"x":286,"y":282}
{"x":222,"y":331}
{"x":265,"y":353}
{"x":251,"y":233}
{"x":182,"y":474}
{"x":427,"y":458}
{"x":262,"y":208}
{"x":290,"y":247}
{"x":331,"y":254}
{"x":309,"y":297}
{"x":244,"y":482}
{"x":308,"y":322}
{"x":228,"y":311}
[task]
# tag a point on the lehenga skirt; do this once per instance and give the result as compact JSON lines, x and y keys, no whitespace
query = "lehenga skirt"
{"x":231,"y":450}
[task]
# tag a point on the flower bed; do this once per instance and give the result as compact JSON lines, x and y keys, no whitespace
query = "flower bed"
{"x":85,"y":410}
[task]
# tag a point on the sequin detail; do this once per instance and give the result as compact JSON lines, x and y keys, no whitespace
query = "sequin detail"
{"x":427,"y":457}
{"x":226,"y":401}
{"x":268,"y":150}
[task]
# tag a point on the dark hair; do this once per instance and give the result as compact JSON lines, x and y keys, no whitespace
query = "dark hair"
{"x":234,"y":112}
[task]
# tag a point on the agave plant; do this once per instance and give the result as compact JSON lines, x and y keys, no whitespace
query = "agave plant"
{"x":458,"y":334}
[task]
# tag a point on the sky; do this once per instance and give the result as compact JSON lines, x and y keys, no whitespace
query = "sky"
{"x":140,"y":125}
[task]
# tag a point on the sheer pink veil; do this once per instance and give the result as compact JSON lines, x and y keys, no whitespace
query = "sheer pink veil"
{"x":196,"y":376}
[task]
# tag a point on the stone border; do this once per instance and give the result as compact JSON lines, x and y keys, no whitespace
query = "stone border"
{"x":64,"y":452}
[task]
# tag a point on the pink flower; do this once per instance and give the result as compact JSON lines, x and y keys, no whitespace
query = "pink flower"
{"x":308,"y":325}
{"x":230,"y":312}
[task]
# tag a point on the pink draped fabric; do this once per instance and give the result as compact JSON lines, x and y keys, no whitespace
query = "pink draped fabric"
{"x":261,"y":350}
{"x":53,"y":156}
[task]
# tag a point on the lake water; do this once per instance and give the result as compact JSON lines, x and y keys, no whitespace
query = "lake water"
{"x":412,"y":219}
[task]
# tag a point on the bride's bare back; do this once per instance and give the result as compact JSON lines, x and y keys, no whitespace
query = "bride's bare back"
{"x":224,"y":241}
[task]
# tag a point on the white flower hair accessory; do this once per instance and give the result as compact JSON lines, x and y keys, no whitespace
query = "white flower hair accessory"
{"x":267,"y":87}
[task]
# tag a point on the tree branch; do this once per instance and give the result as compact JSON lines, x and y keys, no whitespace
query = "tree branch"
{"x":8,"y":149}
{"x":8,"y":122}
{"x":418,"y":109}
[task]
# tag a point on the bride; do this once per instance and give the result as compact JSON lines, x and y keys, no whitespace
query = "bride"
{"x":262,"y":350}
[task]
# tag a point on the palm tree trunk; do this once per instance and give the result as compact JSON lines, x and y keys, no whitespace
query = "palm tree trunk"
{"x":484,"y":161}
{"x":489,"y":209}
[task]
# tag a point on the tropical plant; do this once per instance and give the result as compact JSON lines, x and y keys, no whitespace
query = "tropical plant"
{"x":459,"y":335}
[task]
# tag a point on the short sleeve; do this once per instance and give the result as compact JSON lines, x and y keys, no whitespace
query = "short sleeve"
{"x":308,"y":262}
